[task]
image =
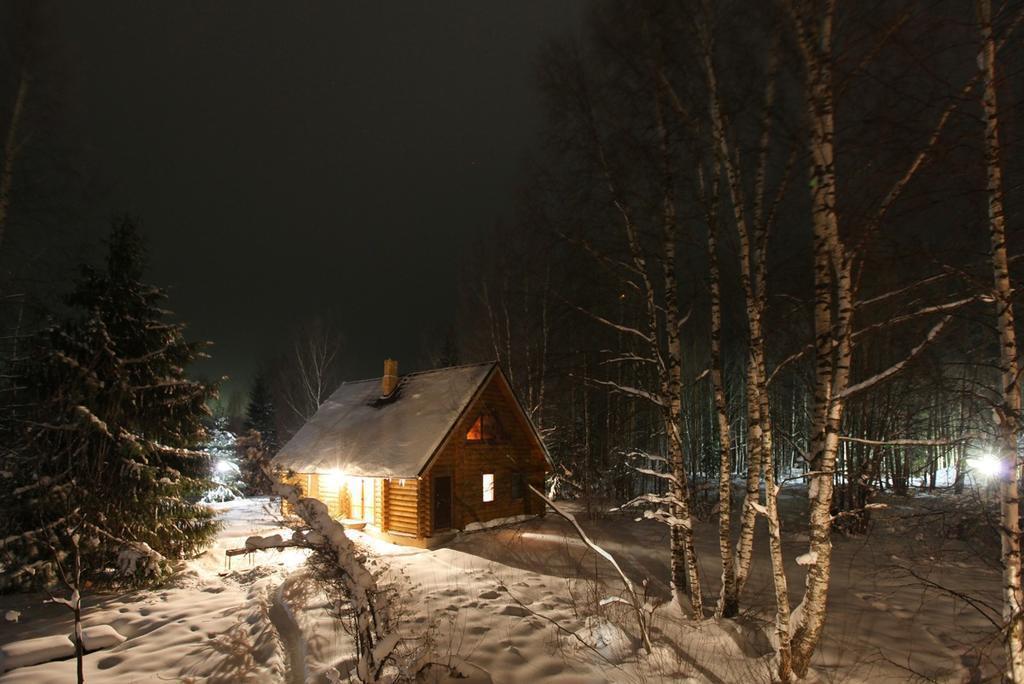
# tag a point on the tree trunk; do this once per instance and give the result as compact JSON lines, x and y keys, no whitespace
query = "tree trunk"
{"x":1009,"y":411}
{"x":685,"y":569}
{"x":11,"y":148}
{"x":728,"y":602}
{"x":832,"y":338}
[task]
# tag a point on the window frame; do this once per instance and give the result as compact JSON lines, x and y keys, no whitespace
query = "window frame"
{"x":495,"y":425}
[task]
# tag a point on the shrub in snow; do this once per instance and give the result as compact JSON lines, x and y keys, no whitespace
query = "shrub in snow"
{"x":607,"y":639}
{"x":451,"y":670}
{"x":220,"y":494}
{"x":115,"y":422}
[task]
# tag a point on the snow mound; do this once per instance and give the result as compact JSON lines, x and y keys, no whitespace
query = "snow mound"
{"x":258,"y":542}
{"x":497,"y":522}
{"x":34,"y":651}
{"x":607,"y":639}
{"x":100,"y":636}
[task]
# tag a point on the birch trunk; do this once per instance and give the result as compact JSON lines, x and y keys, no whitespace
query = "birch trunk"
{"x":748,"y":518}
{"x":1009,"y":411}
{"x":832,"y":271}
{"x":728,"y":601}
{"x":685,"y":568}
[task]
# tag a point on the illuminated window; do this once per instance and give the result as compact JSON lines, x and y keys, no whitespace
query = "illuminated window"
{"x":484,"y":428}
{"x":488,"y":487}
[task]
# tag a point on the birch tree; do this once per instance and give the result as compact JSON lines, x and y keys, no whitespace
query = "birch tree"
{"x":311,"y":369}
{"x":1008,"y":410}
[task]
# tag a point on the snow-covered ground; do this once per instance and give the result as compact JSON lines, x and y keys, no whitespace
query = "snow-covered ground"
{"x":517,"y":603}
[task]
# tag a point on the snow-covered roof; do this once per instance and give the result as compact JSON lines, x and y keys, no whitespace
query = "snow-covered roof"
{"x":358,"y":432}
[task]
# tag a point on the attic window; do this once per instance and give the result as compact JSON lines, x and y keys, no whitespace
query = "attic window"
{"x":484,"y":429}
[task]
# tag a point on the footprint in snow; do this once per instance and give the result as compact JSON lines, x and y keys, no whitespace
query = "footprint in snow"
{"x":490,"y":594}
{"x":513,"y":609}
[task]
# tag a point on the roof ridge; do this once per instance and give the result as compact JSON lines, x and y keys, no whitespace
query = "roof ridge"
{"x":423,"y":372}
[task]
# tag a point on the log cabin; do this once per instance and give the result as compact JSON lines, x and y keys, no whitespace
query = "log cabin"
{"x":417,"y":457}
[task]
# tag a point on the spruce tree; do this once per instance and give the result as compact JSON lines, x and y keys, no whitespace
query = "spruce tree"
{"x":260,"y":414}
{"x":222,"y":446}
{"x":260,"y":444}
{"x":111,"y":426}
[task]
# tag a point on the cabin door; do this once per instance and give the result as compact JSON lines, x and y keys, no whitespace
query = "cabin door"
{"x":361,"y":497}
{"x":442,"y":502}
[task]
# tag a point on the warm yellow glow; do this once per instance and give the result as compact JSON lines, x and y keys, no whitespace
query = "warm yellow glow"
{"x":484,"y":428}
{"x":332,"y":481}
{"x":488,"y":487}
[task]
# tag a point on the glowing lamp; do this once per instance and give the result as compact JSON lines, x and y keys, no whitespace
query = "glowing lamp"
{"x":988,"y":465}
{"x":334,"y":479}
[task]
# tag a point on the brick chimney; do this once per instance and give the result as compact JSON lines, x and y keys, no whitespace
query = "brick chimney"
{"x":390,"y":380}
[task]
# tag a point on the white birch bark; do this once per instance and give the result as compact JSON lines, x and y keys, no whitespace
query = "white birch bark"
{"x":832,"y":338}
{"x":748,"y":516}
{"x":728,"y":600}
{"x":685,"y":570}
{"x":1009,"y":411}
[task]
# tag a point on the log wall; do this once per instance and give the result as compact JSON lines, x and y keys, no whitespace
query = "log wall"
{"x":402,"y":511}
{"x":513,"y":453}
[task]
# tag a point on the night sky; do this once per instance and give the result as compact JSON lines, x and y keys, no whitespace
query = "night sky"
{"x":289,"y":159}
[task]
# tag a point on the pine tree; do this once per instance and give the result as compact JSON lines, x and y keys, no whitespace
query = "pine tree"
{"x":109,"y":429}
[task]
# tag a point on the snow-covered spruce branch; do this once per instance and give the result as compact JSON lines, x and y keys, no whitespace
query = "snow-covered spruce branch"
{"x":638,"y":604}
{"x":899,"y":365}
{"x":374,"y":645}
{"x":29,"y":534}
{"x":44,"y":481}
{"x":163,"y":448}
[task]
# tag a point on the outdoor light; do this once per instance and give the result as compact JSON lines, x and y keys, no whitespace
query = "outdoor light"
{"x":225,"y":467}
{"x":987,"y":465}
{"x":335,"y":478}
